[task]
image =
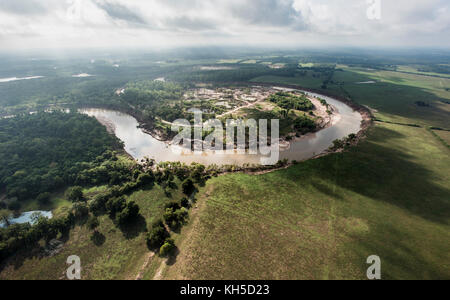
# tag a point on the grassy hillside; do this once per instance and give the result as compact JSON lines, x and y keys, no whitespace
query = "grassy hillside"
{"x":321,"y":219}
{"x":116,"y":254}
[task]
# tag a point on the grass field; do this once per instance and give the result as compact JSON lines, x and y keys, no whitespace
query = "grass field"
{"x":120,"y":255}
{"x":250,"y":61}
{"x":444,"y":135}
{"x":393,"y":96}
{"x":321,"y":219}
{"x":307,"y":81}
{"x":414,"y":70}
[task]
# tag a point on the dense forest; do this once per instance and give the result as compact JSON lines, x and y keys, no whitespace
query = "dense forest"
{"x":235,"y":73}
{"x":45,"y":151}
{"x":155,"y":99}
{"x":291,"y":101}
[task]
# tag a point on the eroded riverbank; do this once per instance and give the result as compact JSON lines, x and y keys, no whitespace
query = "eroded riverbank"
{"x":139,"y":144}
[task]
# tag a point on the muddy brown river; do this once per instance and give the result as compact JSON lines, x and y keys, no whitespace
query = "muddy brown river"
{"x":139,"y":144}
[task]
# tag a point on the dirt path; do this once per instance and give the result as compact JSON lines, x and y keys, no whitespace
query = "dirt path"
{"x":248,"y":104}
{"x":147,"y":261}
{"x":173,"y":272}
{"x":158,"y":274}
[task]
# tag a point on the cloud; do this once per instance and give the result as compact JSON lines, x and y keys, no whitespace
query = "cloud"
{"x":266,"y":12}
{"x":258,"y":22}
{"x":22,"y":7}
{"x":187,"y":23}
{"x":120,"y":12}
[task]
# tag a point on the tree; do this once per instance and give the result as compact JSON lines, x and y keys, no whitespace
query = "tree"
{"x":170,"y":218}
{"x":188,"y":187}
{"x":197,"y":172}
{"x":14,"y":205}
{"x":145,"y":179}
{"x":128,"y":214}
{"x":176,"y":218}
{"x":43,"y":198}
{"x":185,"y":203}
{"x":80,"y":210}
{"x":93,"y":223}
{"x":173,"y":205}
{"x":157,"y":236}
{"x":5,"y":217}
{"x":98,"y":205}
{"x":75,"y":194}
{"x":167,"y":248}
{"x":42,"y":152}
{"x":115,"y":206}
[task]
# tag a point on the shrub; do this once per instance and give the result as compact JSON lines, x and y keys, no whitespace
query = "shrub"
{"x":145,"y":179}
{"x":185,"y":203}
{"x":80,"y":210}
{"x":304,"y":124}
{"x":128,"y":188}
{"x":98,"y":205}
{"x":115,"y":206}
{"x":167,"y":248}
{"x":157,"y":223}
{"x":93,"y":223}
{"x":43,"y":198}
{"x":75,"y":194}
{"x":188,"y":187}
{"x":14,"y":205}
{"x":173,"y":205}
{"x":176,"y":218}
{"x":156,"y":237}
{"x":128,"y":214}
{"x":182,"y":215}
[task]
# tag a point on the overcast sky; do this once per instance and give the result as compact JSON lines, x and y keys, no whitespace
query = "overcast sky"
{"x":275,"y":23}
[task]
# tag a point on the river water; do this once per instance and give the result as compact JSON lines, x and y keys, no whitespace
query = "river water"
{"x":27,"y":217}
{"x":139,"y":144}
